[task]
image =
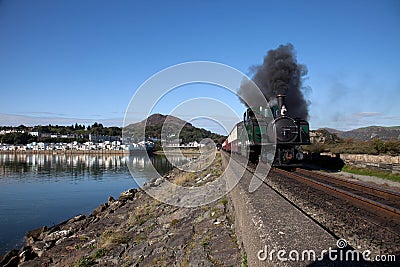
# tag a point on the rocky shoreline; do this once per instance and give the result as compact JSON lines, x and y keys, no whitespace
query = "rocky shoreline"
{"x":137,"y":230}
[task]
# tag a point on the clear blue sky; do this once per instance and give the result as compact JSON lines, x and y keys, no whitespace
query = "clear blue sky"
{"x":73,"y":60}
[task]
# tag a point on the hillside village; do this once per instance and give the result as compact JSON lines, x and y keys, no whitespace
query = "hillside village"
{"x":87,"y":146}
{"x":53,"y":141}
{"x":114,"y":146}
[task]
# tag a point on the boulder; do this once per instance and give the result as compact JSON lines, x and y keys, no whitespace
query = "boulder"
{"x":36,"y":233}
{"x":100,"y":209}
{"x":76,"y":219}
{"x":26,"y":254}
{"x":110,"y":200}
{"x":127,"y":195}
{"x":56,"y":235}
{"x":10,"y":259}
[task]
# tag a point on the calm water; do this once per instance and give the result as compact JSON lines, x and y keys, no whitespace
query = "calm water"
{"x":37,"y":190}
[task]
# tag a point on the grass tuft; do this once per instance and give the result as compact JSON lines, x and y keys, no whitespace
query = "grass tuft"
{"x":244,"y":260}
{"x":110,"y":237}
{"x":84,"y":262}
{"x":100,"y":253}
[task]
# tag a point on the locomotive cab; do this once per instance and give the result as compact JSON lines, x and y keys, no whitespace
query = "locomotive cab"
{"x":256,"y":121}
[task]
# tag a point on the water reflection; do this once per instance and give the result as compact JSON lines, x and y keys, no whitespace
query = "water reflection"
{"x":43,"y":164}
{"x":59,"y":165}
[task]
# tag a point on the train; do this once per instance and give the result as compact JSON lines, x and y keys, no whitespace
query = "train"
{"x":268,"y":134}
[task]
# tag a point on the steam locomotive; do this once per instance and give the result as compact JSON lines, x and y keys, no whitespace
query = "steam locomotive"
{"x":263,"y":131}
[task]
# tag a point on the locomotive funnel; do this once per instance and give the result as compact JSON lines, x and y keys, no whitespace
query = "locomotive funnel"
{"x":281,"y":104}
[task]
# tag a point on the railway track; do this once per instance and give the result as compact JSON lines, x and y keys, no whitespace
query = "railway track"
{"x":378,"y":200}
{"x":366,"y":217}
{"x":375,"y":199}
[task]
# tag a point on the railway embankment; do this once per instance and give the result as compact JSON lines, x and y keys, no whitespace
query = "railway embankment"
{"x":273,"y":231}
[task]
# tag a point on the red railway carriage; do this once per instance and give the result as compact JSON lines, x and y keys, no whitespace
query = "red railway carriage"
{"x":226,"y":146}
{"x":231,"y":144}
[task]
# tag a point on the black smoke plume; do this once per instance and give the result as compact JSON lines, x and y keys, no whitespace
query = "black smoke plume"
{"x":279,"y":74}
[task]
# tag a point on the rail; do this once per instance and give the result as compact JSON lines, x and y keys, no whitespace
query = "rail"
{"x":356,"y":196}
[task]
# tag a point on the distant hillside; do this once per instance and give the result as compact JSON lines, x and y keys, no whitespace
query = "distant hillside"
{"x":155,"y":122}
{"x":331,"y":130}
{"x":368,"y":133}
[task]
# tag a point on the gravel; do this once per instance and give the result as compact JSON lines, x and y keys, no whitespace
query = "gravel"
{"x":362,"y":229}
